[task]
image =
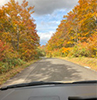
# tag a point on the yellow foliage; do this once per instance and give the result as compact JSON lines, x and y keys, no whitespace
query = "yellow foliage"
{"x":10,"y":53}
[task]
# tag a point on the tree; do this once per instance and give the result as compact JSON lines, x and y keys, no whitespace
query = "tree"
{"x":19,"y":29}
{"x":77,"y":27}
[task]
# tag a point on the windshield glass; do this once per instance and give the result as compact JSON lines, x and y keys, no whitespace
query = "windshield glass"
{"x":48,"y":40}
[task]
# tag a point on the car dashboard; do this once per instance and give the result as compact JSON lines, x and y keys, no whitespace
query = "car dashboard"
{"x":52,"y":92}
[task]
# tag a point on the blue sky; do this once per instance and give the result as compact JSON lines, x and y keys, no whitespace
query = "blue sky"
{"x":48,"y":14}
{"x":47,"y":24}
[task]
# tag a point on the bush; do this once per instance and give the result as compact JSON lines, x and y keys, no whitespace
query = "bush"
{"x":56,"y":53}
{"x":10,"y":64}
{"x":63,"y":52}
{"x":40,"y":52}
{"x":79,"y":51}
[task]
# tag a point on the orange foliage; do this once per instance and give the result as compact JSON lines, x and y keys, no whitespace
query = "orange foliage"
{"x":64,"y":50}
{"x":78,"y":28}
{"x":17,"y":28}
{"x":2,"y":49}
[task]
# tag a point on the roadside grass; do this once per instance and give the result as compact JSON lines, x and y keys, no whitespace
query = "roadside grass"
{"x":6,"y":76}
{"x":83,"y":61}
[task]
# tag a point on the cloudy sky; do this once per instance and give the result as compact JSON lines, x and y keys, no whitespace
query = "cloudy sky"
{"x":48,"y":14}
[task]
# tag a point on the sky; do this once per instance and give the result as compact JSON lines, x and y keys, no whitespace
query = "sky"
{"x":48,"y":14}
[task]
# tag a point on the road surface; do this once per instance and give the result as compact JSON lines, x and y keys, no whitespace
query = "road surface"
{"x":53,"y":69}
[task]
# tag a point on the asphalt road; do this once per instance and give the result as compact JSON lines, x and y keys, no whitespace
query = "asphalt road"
{"x":52,"y":69}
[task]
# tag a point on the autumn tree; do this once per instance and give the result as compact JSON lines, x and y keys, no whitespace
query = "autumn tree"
{"x":19,"y":29}
{"x":77,"y":27}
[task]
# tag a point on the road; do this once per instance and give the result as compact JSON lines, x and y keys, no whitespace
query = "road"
{"x":53,"y":69}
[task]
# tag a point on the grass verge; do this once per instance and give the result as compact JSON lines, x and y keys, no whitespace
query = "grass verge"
{"x":83,"y":61}
{"x":6,"y":76}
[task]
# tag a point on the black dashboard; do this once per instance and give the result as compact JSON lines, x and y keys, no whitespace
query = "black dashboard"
{"x":52,"y":92}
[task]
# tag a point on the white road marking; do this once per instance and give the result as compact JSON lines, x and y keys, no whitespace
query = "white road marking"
{"x":87,"y":67}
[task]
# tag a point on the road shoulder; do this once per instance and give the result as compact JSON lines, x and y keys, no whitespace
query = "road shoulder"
{"x":89,"y":63}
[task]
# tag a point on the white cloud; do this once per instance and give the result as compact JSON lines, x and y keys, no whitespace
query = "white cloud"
{"x":49,"y":14}
{"x":47,"y":6}
{"x":44,"y":37}
{"x":54,"y":23}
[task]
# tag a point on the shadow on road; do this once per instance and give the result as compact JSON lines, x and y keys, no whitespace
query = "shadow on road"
{"x":47,"y":71}
{"x":52,"y":69}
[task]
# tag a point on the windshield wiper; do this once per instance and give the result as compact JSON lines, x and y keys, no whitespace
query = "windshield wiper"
{"x":43,"y":83}
{"x":30,"y":84}
{"x":83,"y":82}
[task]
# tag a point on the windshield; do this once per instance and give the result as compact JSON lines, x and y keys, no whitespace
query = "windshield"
{"x":48,"y":40}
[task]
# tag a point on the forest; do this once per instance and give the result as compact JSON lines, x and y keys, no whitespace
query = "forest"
{"x":19,"y":40}
{"x":76,"y":35}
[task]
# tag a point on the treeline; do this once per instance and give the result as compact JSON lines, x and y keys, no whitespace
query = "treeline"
{"x":77,"y":33}
{"x":18,"y":35}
